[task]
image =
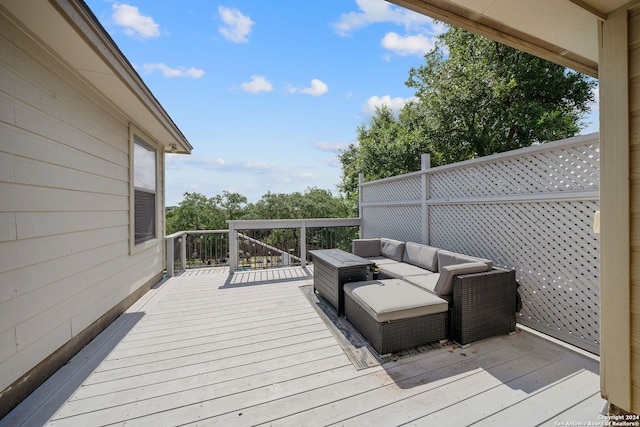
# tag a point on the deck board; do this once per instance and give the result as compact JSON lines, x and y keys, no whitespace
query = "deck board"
{"x":206,"y":348}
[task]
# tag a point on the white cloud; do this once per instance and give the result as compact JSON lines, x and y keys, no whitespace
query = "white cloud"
{"x":408,"y":45}
{"x":257,"y":84}
{"x":317,"y":88}
{"x":133,"y":22}
{"x":193,"y":73}
{"x":332,"y":162}
{"x":236,"y":26}
{"x":378,"y":11}
{"x":395,"y":104}
{"x":178,"y":162}
{"x":330,"y":146}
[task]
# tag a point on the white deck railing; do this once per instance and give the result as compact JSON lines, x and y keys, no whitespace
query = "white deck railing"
{"x":204,"y":248}
{"x":302,"y":225}
{"x":196,"y":248}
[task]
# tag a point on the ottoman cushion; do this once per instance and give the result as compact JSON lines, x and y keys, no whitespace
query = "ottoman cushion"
{"x":394,"y":299}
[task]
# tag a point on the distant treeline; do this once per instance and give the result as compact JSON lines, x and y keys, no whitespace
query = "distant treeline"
{"x":198,"y":212}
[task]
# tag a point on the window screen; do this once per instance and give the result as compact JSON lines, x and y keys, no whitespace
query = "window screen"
{"x":144,"y":184}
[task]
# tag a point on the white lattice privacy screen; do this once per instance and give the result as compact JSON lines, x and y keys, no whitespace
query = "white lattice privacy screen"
{"x":530,"y":210}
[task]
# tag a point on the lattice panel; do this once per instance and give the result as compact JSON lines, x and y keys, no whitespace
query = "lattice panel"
{"x":553,"y":249}
{"x":562,"y":169}
{"x":394,"y":222}
{"x":409,"y":188}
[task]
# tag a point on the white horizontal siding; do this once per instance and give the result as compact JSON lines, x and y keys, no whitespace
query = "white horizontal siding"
{"x":8,"y":229}
{"x":23,"y":198}
{"x":20,"y":170}
{"x":62,"y":270}
{"x":28,"y":357}
{"x":103,"y":296}
{"x":64,"y":206}
{"x":24,"y":143}
{"x":36,"y":224}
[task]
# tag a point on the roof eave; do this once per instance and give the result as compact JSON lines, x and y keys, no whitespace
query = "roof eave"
{"x":87,"y":25}
{"x":451,"y":13}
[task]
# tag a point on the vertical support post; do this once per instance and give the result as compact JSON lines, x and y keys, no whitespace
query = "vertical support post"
{"x":360,"y":198}
{"x":233,"y":247}
{"x":618,"y":262}
{"x":183,"y":252}
{"x":303,"y":244}
{"x":426,"y":194}
{"x":169,"y":245}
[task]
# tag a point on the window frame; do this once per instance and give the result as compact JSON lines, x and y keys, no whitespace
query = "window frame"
{"x":135,"y":133}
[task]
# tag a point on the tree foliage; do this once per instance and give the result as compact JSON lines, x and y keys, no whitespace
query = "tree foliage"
{"x":474,"y":97}
{"x":389,"y":146}
{"x":313,"y":203}
{"x":198,"y":212}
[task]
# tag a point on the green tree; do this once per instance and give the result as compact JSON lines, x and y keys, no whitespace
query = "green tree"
{"x":474,"y":97}
{"x":313,"y":203}
{"x":233,"y":203}
{"x":388,"y":146}
{"x":481,"y":97}
{"x":196,"y":212}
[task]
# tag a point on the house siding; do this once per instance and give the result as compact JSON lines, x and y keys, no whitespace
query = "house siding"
{"x":65,"y":258}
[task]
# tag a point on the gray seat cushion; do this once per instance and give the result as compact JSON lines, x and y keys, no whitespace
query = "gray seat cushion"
{"x":425,"y":281}
{"x":394,"y":299}
{"x":380,"y":260}
{"x":393,"y":249}
{"x":401,"y":269}
{"x":421,"y":255}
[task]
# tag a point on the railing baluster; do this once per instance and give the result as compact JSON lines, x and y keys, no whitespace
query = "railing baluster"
{"x":303,"y":244}
{"x":170,"y":255}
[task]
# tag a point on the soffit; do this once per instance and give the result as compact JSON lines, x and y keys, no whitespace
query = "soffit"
{"x":563,"y":31}
{"x":68,"y":29}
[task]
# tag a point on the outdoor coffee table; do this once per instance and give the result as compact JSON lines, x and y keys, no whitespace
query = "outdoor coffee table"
{"x":332,"y":268}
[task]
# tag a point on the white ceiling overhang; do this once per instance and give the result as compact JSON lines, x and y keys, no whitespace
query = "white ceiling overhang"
{"x":562,"y":31}
{"x":69,"y":30}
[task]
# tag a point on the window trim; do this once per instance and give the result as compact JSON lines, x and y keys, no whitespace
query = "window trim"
{"x":155,"y":241}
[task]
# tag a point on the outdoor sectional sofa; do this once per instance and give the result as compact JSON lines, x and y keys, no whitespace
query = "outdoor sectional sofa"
{"x":425,"y":294}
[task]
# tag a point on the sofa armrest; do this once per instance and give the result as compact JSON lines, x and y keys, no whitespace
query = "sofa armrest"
{"x":484,"y":305}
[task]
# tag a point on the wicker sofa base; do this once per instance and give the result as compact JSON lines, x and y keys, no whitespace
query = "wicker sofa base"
{"x":484,"y":305}
{"x":397,"y":335}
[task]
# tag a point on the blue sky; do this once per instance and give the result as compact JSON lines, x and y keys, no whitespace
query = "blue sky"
{"x":266,"y":91}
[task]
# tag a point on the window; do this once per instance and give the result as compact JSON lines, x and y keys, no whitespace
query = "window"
{"x":144,"y":188}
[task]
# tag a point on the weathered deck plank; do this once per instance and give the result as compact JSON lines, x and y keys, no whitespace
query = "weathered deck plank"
{"x":213,"y":349}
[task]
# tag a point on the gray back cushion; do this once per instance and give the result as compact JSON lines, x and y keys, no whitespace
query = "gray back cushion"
{"x":366,"y":247}
{"x":446,"y":258}
{"x":444,"y":286}
{"x":393,"y":249}
{"x":421,"y":256}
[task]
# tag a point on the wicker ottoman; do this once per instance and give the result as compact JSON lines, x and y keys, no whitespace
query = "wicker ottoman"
{"x":394,"y":315}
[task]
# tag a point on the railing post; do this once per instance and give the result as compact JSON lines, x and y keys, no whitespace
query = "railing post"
{"x":169,"y":245}
{"x":183,"y":252}
{"x":233,"y":247}
{"x":303,"y":244}
{"x":360,"y":198}
{"x":426,"y":194}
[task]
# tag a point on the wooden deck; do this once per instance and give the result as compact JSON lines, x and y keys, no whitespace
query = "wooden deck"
{"x":207,"y":348}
